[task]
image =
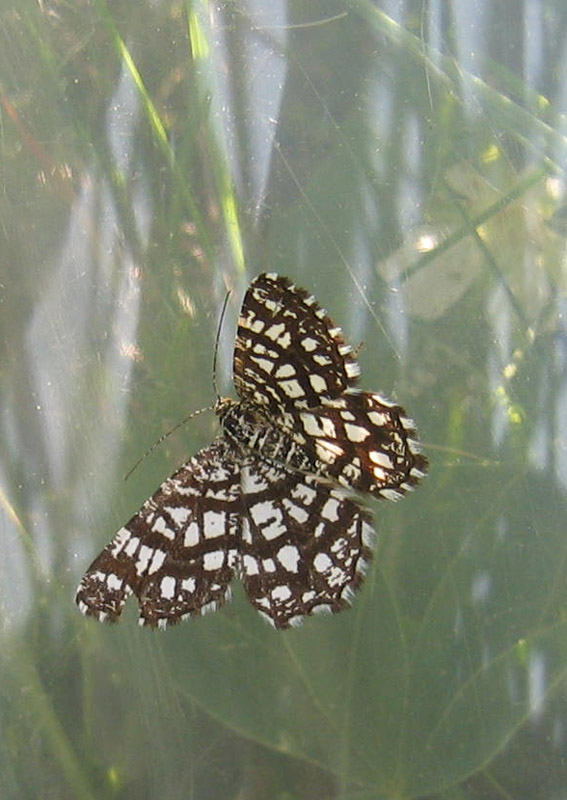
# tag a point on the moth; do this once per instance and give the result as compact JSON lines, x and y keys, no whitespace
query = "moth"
{"x":274,"y":499}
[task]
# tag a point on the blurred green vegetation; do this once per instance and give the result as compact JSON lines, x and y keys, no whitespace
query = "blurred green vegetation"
{"x":406,"y":171}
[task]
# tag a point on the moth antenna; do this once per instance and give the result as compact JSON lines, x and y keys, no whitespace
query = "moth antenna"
{"x":217,"y":341}
{"x":195,"y":413}
{"x":164,"y":436}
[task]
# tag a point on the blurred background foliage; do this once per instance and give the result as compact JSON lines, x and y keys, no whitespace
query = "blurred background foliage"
{"x":405,"y":161}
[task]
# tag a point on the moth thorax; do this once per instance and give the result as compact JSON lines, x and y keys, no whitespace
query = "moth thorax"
{"x":238,"y":422}
{"x":242,"y":423}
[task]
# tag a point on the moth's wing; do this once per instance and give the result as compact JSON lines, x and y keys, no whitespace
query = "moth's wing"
{"x":305,"y":544}
{"x":362,"y":441}
{"x":178,"y":554}
{"x":288,"y":351}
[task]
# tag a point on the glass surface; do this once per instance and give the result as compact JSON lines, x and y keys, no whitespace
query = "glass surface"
{"x":405,"y":162}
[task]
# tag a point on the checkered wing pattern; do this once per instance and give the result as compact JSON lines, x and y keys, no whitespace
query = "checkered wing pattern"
{"x":305,"y":544}
{"x":363,"y":442}
{"x":178,"y":554}
{"x":300,"y":546}
{"x":288,"y":353}
{"x":271,"y":500}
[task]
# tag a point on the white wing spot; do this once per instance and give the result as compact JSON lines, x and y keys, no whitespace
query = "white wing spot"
{"x":157,"y":560}
{"x":330,"y":510}
{"x":143,"y":559}
{"x":380,"y":458}
{"x":179,"y":514}
{"x":311,"y":425}
{"x":250,"y":565}
{"x":275,"y":331}
{"x":322,"y":562}
{"x":285,"y":371}
{"x":378,"y":418}
{"x":281,"y":593}
{"x":167,"y":587}
{"x":253,"y":482}
{"x":309,"y":344}
{"x":214,"y":524}
{"x":288,"y":556}
{"x":160,"y":526}
{"x":214,"y":560}
{"x":292,"y":389}
{"x":304,"y":493}
{"x":264,"y":364}
{"x":318,"y":426}
{"x":328,"y":451}
{"x":113,"y":582}
{"x":298,"y":513}
{"x":191,"y":537}
{"x":120,"y":540}
{"x":356,"y":433}
{"x":335,"y":576}
{"x":132,"y":546}
{"x":340,"y":547}
{"x":318,"y":383}
{"x":267,"y":512}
